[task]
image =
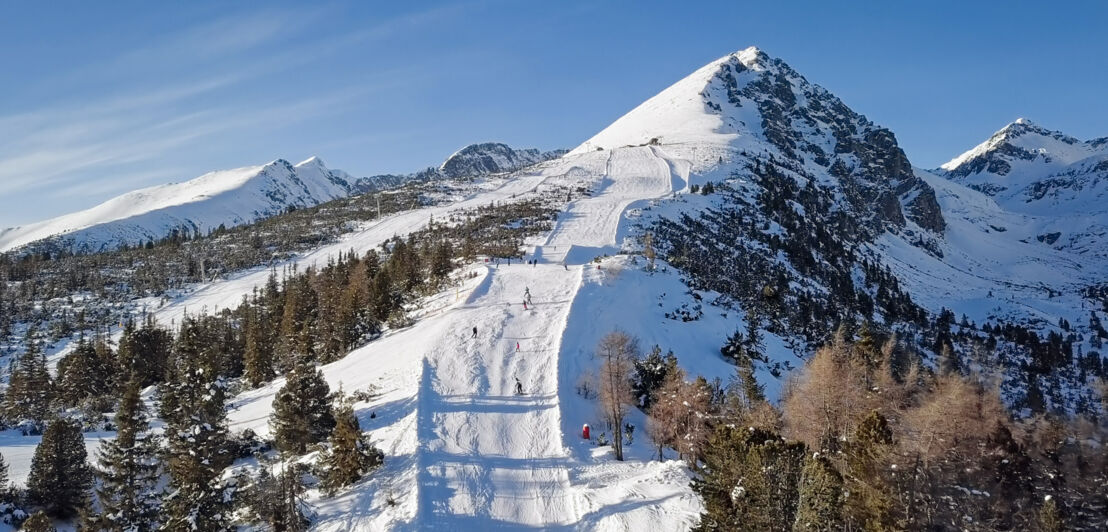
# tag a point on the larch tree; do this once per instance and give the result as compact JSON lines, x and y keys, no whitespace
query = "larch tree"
{"x":617,"y":352}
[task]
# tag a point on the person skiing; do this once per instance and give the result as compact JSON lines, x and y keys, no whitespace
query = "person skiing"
{"x":517,"y":347}
{"x":475,"y":331}
{"x":519,"y":387}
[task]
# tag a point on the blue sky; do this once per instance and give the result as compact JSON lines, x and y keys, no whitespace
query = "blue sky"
{"x":100,"y":98}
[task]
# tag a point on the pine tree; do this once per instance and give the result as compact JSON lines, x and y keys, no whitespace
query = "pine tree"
{"x":144,"y":353}
{"x":5,"y":480}
{"x":29,"y":388}
{"x":749,"y":480}
{"x":870,"y":502}
{"x":129,"y":469}
{"x":302,"y":409}
{"x":648,"y":251}
{"x":650,"y":373}
{"x":351,"y":455}
{"x":289,"y":518}
{"x":38,"y":522}
{"x":258,"y":356}
{"x":820,"y":497}
{"x":1049,"y":519}
{"x":192,"y":403}
{"x":60,"y":476}
{"x":81,"y":374}
{"x":734,"y":349}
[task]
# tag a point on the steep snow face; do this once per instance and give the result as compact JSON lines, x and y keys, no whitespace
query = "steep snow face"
{"x":227,"y":197}
{"x":747,"y":105}
{"x":492,"y":158}
{"x":1046,"y":174}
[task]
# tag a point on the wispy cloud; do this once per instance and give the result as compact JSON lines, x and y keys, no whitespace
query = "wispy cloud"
{"x":147,"y":106}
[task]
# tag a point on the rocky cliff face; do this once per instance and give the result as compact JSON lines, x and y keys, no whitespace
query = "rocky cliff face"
{"x":811,"y":126}
{"x":492,"y":158}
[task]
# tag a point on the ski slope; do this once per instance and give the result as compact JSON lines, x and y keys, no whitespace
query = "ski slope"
{"x":463,"y":451}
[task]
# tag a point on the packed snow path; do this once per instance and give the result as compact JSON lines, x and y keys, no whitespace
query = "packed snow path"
{"x":489,"y":456}
{"x":591,"y":226}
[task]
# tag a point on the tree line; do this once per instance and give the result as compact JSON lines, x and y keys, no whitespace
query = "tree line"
{"x":867,"y":436}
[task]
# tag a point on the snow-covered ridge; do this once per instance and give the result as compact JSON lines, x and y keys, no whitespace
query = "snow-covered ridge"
{"x":243,"y":195}
{"x":1058,"y":179}
{"x":226,"y":197}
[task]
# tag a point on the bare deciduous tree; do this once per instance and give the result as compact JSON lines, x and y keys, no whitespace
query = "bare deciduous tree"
{"x":617,"y":352}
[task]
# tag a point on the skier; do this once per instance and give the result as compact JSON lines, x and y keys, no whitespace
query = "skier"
{"x":517,"y":347}
{"x":564,"y":265}
{"x":519,"y":387}
{"x":475,"y":331}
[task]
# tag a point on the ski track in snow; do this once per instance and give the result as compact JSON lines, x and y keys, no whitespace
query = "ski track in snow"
{"x":463,"y":451}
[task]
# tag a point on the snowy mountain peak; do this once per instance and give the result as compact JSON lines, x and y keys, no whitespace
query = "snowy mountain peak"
{"x":491,"y":158}
{"x":1020,"y":140}
{"x":311,"y":161}
{"x":750,"y":105}
{"x":1039,"y":172}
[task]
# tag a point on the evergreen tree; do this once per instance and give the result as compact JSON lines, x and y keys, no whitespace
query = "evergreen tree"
{"x":302,"y":409}
{"x":1049,"y":519}
{"x":60,"y":476}
{"x":734,"y":350}
{"x":129,"y":469}
{"x":749,"y":480}
{"x":192,"y":403}
{"x":820,"y":497}
{"x":5,"y":480}
{"x":650,"y":373}
{"x":870,"y":504}
{"x":82,"y":374}
{"x":351,"y":455}
{"x":258,"y":356}
{"x":144,"y":353}
{"x":29,"y":388}
{"x":38,"y":522}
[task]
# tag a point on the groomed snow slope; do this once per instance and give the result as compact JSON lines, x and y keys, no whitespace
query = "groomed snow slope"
{"x":227,"y":197}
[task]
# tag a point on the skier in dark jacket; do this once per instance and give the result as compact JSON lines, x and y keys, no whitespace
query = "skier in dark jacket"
{"x":519,"y":387}
{"x":475,"y":331}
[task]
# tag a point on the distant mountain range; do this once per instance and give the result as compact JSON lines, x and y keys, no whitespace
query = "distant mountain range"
{"x":242,"y":195}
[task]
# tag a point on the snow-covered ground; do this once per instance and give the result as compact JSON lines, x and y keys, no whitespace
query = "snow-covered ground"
{"x":463,"y":452}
